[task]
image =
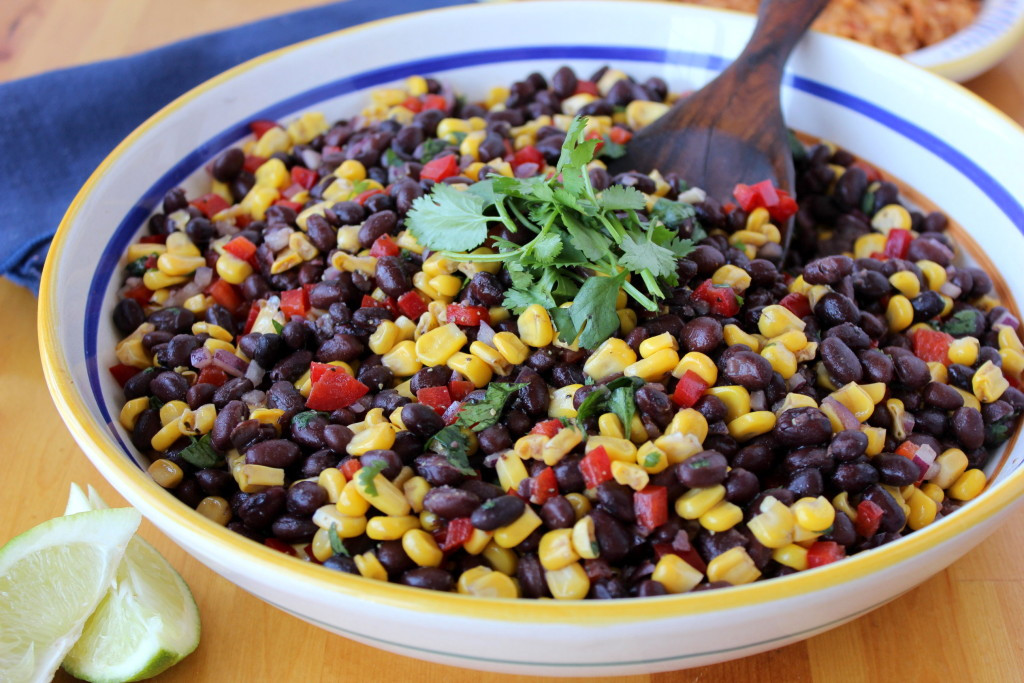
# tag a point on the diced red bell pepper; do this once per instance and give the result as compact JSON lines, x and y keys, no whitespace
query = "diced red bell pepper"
{"x":261,"y":126}
{"x":280,"y":546}
{"x":122,"y":373}
{"x":363,"y":196}
{"x":140,"y":293}
{"x":594,"y":135}
{"x":212,"y":375}
{"x":153,"y":239}
{"x":720,"y":298}
{"x":384,"y":246}
{"x":548,"y":428}
{"x":241,"y":247}
{"x":798,"y":304}
{"x":931,"y":346}
{"x":544,"y":486}
{"x":651,"y":506}
{"x":596,"y":467}
{"x":250,"y":320}
{"x":869,"y":516}
{"x":350,"y":468}
{"x":908,"y":449}
{"x":369,"y":302}
{"x":438,"y":398}
{"x":150,"y":262}
{"x":527,"y":155}
{"x":451,"y":414}
{"x":225,"y":294}
{"x":750,"y":197}
{"x":440,"y":168}
{"x":461,"y":314}
{"x":824,"y":552}
{"x":412,"y":305}
{"x":689,"y":389}
{"x":304,"y":176}
{"x":897,"y":244}
{"x":295,"y":302}
{"x":253,"y":162}
{"x":294,"y":206}
{"x":292,"y":190}
{"x":785,"y":209}
{"x":413,"y":104}
{"x":619,"y":135}
{"x":460,"y":389}
{"x":458,"y":532}
{"x":210,"y":204}
{"x":333,"y":388}
{"x":435,"y":102}
{"x":588,"y":87}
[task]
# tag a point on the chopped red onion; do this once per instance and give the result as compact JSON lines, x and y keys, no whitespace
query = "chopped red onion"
{"x":758,"y":400}
{"x":933,"y":471}
{"x":254,"y":373}
{"x":331,"y":273}
{"x":846,"y":418}
{"x":277,"y":239}
{"x":1007,"y":318}
{"x":924,"y":457}
{"x":254,"y":397}
{"x":229,"y":362}
{"x":485,"y":334}
{"x":908,"y":422}
{"x":311,"y":158}
{"x":692,"y":196}
{"x":203,"y":277}
{"x":950,"y":290}
{"x":201,"y":357}
{"x":796,"y":381}
{"x":225,"y":228}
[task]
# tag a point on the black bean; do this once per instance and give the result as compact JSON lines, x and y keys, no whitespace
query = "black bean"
{"x":258,"y":510}
{"x":708,"y":259}
{"x":565,"y":374}
{"x":828,"y":270}
{"x":391,"y":276}
{"x":273,"y":453}
{"x":612,"y":538}
{"x":842,"y":532}
{"x":806,"y":482}
{"x":448,"y":503}
{"x":711,"y":407}
{"x":232,"y":390}
{"x":893,"y":518}
{"x":341,"y":563}
{"x":436,"y":376}
{"x":558,"y":513}
{"x":227,"y":419}
{"x":437,"y":470}
{"x":128,"y":315}
{"x":147,"y":424}
{"x":702,"y":334}
{"x":343,"y":347}
{"x":616,"y":499}
{"x":969,"y":428}
{"x":563,"y":82}
{"x":294,"y":529}
{"x":877,"y":366}
{"x":213,"y":481}
{"x":835,"y":309}
{"x":840,"y":361}
{"x":392,"y":464}
{"x":802,"y":426}
{"x":305,"y":498}
{"x":803,"y":458}
{"x":492,"y":440}
{"x":705,"y":469}
{"x":910,"y":370}
{"x":923,"y":249}
{"x":851,"y":335}
{"x":848,"y":445}
{"x":497,"y":512}
{"x":896,"y":470}
{"x":756,"y":457}
{"x":655,"y":404}
{"x":942,"y":396}
{"x":421,"y":419}
{"x":741,"y":485}
{"x":376,"y":225}
{"x":533,"y":398}
{"x":927,"y":305}
{"x":854,"y":477}
{"x":432,"y":578}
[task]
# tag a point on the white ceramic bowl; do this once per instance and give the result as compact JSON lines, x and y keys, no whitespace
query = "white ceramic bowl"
{"x":977,"y":48}
{"x":945,"y":142}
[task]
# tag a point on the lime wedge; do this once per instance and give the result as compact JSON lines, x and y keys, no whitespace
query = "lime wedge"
{"x":146,"y":623}
{"x":51,"y":579}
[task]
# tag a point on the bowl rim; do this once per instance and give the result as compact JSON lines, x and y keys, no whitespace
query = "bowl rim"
{"x":965,"y":63}
{"x":135,"y":483}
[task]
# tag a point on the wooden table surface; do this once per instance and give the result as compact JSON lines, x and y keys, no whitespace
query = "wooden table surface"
{"x":967,"y":623}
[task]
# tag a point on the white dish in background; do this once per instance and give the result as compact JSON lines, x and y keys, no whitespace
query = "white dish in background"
{"x":946,"y":143}
{"x":976,"y":49}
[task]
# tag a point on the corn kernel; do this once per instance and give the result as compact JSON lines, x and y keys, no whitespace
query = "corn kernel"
{"x":421,"y":548}
{"x":611,"y":357}
{"x":735,"y":398}
{"x":989,"y":383}
{"x":856,"y":400}
{"x":782,"y":360}
{"x":556,"y":549}
{"x":678,"y":446}
{"x":370,"y":567}
{"x":899,"y":313}
{"x":890,"y":217}
{"x":165,"y":473}
{"x":906,"y":283}
{"x":814,"y":514}
{"x":700,"y":364}
{"x":630,"y":474}
{"x":792,"y":556}
{"x":484,"y":582}
{"x":654,"y":368}
{"x":922,"y":510}
{"x":384,"y":528}
{"x":695,"y":502}
{"x":131,"y":410}
{"x":216,"y":509}
{"x":934,"y":274}
{"x":511,"y":471}
{"x":776,"y":319}
{"x":438,"y":345}
{"x":639,"y":113}
{"x":773,"y":526}
{"x":933,"y":492}
{"x":733,"y":566}
{"x":732,"y":276}
{"x":381,"y":436}
{"x":734,"y":335}
{"x":652,"y":345}
{"x":511,"y":348}
{"x":964,"y":350}
{"x":513,"y":534}
{"x":689,"y":421}
{"x":478,"y":541}
{"x":651,"y":458}
{"x":560,"y":445}
{"x":471,"y":367}
{"x":675,"y":574}
{"x":721,"y":517}
{"x":746,"y":427}
{"x":609,"y":424}
{"x":568,"y":583}
{"x":968,"y":485}
{"x":535,"y":328}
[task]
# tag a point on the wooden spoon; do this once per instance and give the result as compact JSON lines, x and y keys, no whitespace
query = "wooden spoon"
{"x":731,"y":130}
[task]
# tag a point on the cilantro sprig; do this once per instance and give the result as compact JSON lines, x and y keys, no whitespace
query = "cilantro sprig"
{"x":366,"y":474}
{"x":453,"y":445}
{"x":479,"y":415}
{"x":576,"y":233}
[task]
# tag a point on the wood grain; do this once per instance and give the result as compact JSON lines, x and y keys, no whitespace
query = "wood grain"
{"x":965,"y":624}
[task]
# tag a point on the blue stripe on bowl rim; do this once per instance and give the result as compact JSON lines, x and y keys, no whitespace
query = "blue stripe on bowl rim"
{"x":136,"y":217}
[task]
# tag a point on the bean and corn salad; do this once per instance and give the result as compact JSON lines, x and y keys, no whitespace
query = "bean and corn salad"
{"x":439,"y":344}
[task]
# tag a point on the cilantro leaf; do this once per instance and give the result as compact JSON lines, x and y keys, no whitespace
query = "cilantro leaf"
{"x":611,"y":150}
{"x":365,"y":475}
{"x":622,"y":401}
{"x":486,"y":412}
{"x":593,"y":244}
{"x":137,"y":268}
{"x":302,"y":420}
{"x":672,"y":213}
{"x":622,"y":198}
{"x":594,"y":307}
{"x":562,"y":317}
{"x":576,"y":154}
{"x":448,"y":219}
{"x":518,"y":299}
{"x":546,"y":247}
{"x":336,"y":545}
{"x":431,"y":148}
{"x":391,"y":158}
{"x":638,"y":254}
{"x":962,"y":323}
{"x":278,"y":327}
{"x":155,"y":403}
{"x":453,"y":445}
{"x":201,"y":452}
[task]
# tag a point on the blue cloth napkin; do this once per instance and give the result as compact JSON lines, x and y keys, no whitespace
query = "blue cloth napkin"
{"x":56,"y":128}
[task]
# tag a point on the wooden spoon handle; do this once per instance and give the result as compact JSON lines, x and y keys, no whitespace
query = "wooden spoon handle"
{"x":780,"y":25}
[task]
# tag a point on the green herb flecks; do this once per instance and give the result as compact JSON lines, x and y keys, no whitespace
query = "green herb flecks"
{"x":962,"y":323}
{"x":617,"y":396}
{"x":201,"y":452}
{"x":366,"y":474}
{"x":302,"y":420}
{"x":336,"y":545}
{"x":453,"y":445}
{"x":431,"y":148}
{"x":479,"y":415}
{"x":582,"y":244}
